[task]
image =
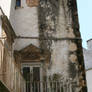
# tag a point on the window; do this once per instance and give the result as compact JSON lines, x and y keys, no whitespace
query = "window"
{"x":32,"y":77}
{"x":32,"y":3}
{"x":31,"y":73}
{"x":18,"y":3}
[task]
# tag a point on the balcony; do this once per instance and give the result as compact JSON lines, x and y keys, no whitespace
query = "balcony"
{"x":53,"y":86}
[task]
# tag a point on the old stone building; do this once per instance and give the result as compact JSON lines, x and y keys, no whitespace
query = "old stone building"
{"x":88,"y":64}
{"x":44,"y":43}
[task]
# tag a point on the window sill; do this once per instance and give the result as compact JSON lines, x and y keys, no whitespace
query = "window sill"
{"x":17,"y":7}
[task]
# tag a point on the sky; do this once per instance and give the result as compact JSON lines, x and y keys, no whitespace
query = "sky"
{"x":85,"y":19}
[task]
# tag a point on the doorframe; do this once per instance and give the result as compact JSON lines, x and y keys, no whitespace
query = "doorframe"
{"x":34,"y":65}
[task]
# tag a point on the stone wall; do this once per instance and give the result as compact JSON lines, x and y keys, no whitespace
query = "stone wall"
{"x":25,"y":25}
{"x":10,"y":74}
{"x":0,"y":27}
{"x":89,"y":42}
{"x":60,"y":28}
{"x":88,"y":64}
{"x":55,"y":24}
{"x":52,"y":26}
{"x":89,"y":79}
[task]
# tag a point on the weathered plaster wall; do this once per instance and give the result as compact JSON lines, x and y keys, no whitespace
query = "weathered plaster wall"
{"x":88,"y":64}
{"x":26,"y":25}
{"x":11,"y":76}
{"x":61,"y":21}
{"x":24,"y":21}
{"x":89,"y":80}
{"x":87,"y":58}
{"x":59,"y":58}
{"x":89,"y":44}
{"x":53,"y":25}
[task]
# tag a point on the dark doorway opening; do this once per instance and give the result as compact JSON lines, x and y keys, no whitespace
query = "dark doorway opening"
{"x":26,"y":74}
{"x":32,"y":77}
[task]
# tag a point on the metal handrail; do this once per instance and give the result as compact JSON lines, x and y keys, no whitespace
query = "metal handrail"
{"x":50,"y":86}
